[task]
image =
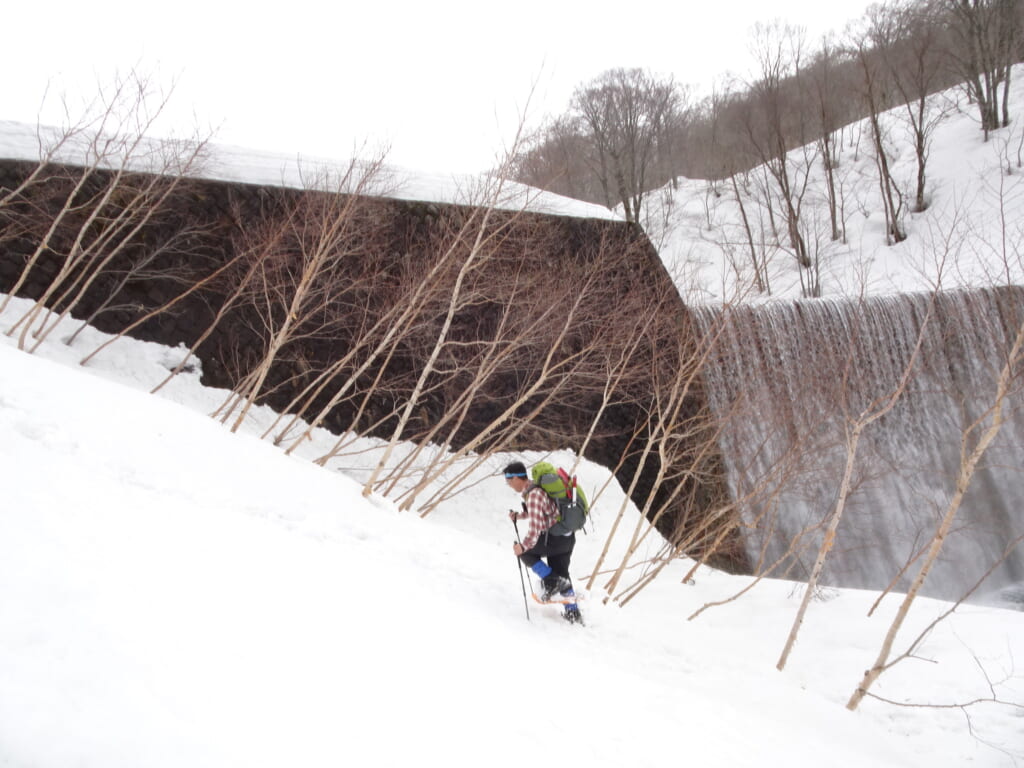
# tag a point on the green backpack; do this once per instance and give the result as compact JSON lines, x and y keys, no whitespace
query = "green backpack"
{"x":573,"y":507}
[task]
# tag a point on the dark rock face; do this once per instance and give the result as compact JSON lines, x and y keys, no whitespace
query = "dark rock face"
{"x":540,"y":314}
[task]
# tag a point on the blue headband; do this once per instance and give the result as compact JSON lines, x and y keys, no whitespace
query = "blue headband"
{"x":510,"y":475}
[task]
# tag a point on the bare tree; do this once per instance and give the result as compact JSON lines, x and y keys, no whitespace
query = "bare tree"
{"x":474,"y":260}
{"x":15,"y":203}
{"x":724,"y":154}
{"x":975,"y":441}
{"x":92,"y":210}
{"x":172,"y":259}
{"x":299,"y":266}
{"x":628,"y":114}
{"x":775,"y":123}
{"x":873,"y":85}
{"x":554,"y":158}
{"x":987,"y":35}
{"x":909,"y":39}
{"x":399,"y":322}
{"x":982,"y":415}
{"x":854,"y":427}
{"x":194,"y":286}
{"x":672,"y":432}
{"x":554,"y":348}
{"x":826,"y":89}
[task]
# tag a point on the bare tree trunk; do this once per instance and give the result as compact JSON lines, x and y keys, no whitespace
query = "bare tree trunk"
{"x":319,"y":231}
{"x":890,"y":192}
{"x":855,"y":428}
{"x":553,"y":373}
{"x":38,"y":177}
{"x":469,"y":263}
{"x":149,"y":315}
{"x":760,"y":278}
{"x":132,"y":217}
{"x":101,"y":223}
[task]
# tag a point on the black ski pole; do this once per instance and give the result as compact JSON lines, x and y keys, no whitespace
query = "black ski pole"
{"x":522,"y":580}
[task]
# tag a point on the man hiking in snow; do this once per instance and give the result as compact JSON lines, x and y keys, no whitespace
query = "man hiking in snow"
{"x":541,"y":512}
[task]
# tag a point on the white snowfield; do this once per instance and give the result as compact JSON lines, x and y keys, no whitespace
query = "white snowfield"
{"x":175,"y":594}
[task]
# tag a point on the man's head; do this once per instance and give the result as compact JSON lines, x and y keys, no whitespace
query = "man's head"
{"x":515,"y":476}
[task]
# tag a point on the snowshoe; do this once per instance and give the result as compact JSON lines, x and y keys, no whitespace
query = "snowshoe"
{"x":572,"y":615}
{"x":556,"y":599}
{"x":554,"y":586}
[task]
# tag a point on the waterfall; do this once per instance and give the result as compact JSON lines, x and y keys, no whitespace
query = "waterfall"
{"x":785,"y":379}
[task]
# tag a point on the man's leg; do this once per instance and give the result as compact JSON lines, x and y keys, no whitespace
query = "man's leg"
{"x":552,"y":582}
{"x":560,"y":565}
{"x":560,"y":553}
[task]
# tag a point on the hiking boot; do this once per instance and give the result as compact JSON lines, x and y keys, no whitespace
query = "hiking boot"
{"x":554,"y":585}
{"x":572,"y":615}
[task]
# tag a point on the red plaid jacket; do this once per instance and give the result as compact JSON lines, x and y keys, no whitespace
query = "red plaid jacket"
{"x":541,"y":514}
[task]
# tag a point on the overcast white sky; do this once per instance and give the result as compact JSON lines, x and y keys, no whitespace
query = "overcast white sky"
{"x":441,"y":83}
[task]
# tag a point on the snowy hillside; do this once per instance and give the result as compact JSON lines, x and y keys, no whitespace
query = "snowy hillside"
{"x":976,"y":206}
{"x":174,"y":594}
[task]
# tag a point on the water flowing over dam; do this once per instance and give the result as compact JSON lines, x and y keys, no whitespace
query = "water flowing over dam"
{"x":789,"y":380}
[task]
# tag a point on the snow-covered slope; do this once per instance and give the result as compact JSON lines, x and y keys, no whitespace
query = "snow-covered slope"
{"x":969,"y":235}
{"x":174,"y":594}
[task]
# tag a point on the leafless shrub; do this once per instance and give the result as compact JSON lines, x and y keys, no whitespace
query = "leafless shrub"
{"x":113,"y":181}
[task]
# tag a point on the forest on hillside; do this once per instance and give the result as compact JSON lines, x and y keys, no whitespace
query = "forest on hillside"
{"x":630,"y":131}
